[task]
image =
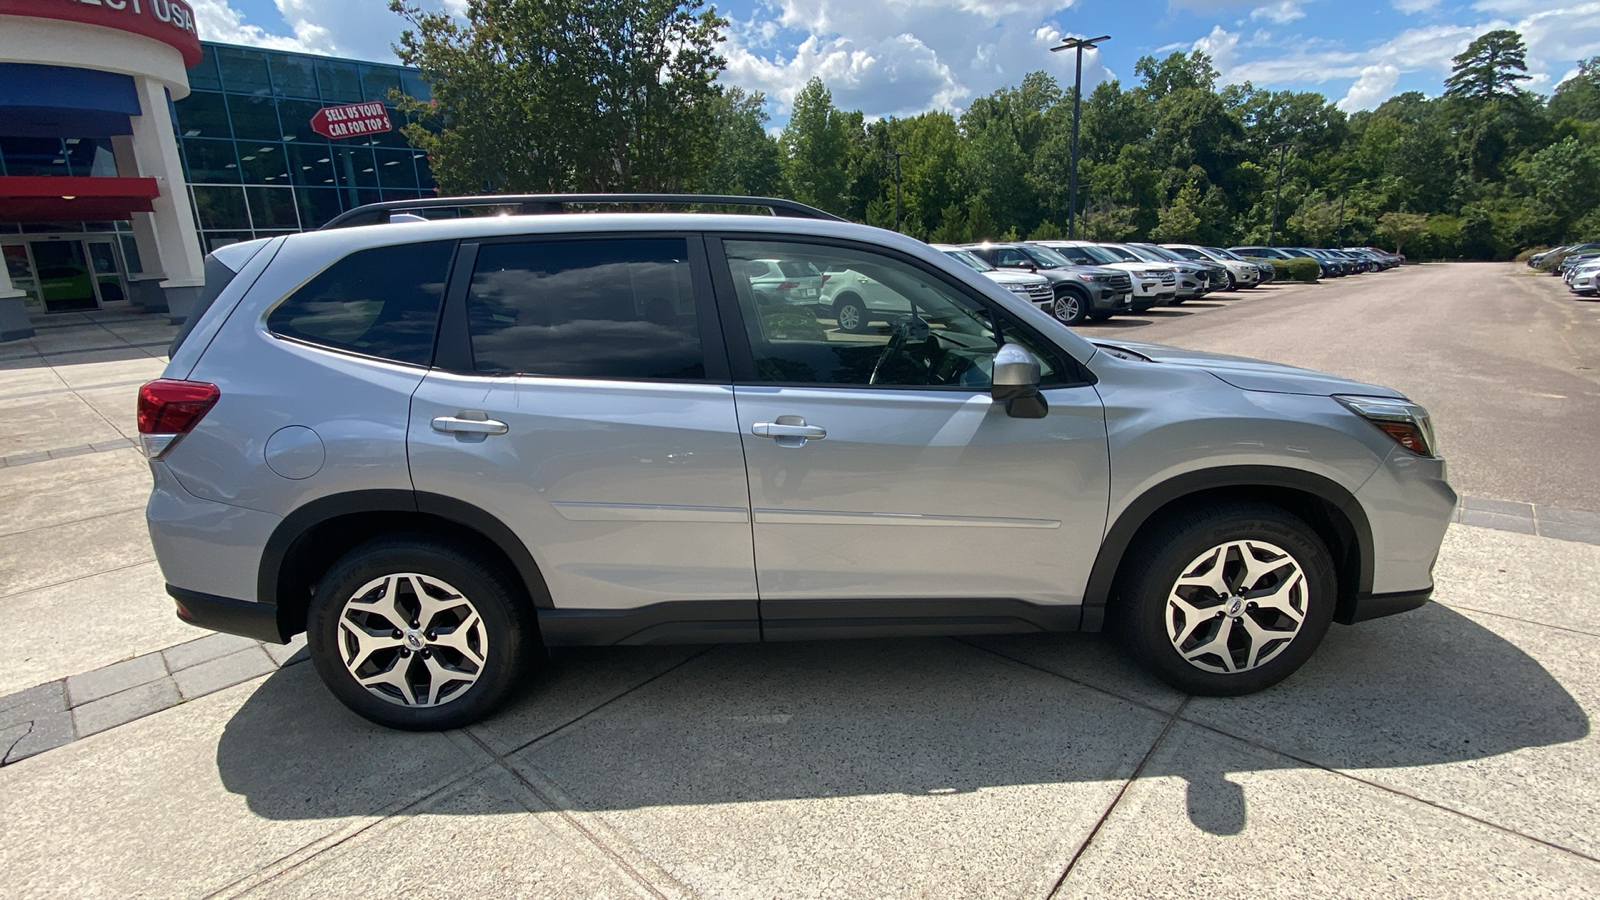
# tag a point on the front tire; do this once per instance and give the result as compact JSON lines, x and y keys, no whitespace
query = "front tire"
{"x":1227,"y":600}
{"x":418,"y":634}
{"x":1070,"y":308}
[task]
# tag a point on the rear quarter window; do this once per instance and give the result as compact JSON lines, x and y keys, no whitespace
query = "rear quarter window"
{"x":381,"y":302}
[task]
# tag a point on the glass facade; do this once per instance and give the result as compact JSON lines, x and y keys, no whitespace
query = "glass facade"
{"x":254,"y":166}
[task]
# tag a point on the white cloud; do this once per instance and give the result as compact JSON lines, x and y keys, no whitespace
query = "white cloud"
{"x":1283,"y":12}
{"x":1221,"y":45}
{"x":1375,"y":85}
{"x":1411,"y":7}
{"x":899,"y":58}
{"x":363,"y":29}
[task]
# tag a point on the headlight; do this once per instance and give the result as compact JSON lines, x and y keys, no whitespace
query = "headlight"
{"x":1016,"y":288}
{"x":1087,"y":277}
{"x":1407,"y":423}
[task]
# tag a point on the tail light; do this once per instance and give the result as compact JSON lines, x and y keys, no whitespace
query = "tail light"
{"x":1406,"y":423}
{"x":788,"y":285}
{"x":825,"y":278}
{"x":170,"y":409}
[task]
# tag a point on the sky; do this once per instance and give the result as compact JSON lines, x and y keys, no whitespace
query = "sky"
{"x":902,"y":57}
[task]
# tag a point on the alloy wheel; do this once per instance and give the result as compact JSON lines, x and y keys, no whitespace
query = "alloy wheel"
{"x":1068,"y":309}
{"x":1237,"y":606}
{"x":412,"y":640}
{"x":849,"y":317}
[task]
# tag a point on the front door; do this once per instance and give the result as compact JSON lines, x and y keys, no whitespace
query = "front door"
{"x":580,"y":397}
{"x":64,"y":277}
{"x":884,"y":482}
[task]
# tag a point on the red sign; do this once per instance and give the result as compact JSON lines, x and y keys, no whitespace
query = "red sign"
{"x":168,"y":21}
{"x":351,"y":120}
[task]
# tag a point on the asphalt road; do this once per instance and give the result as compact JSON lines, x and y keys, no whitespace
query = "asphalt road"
{"x":1506,"y":360}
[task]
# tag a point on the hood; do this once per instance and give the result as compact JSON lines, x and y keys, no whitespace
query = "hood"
{"x":1252,"y":374}
{"x":1013,"y":276}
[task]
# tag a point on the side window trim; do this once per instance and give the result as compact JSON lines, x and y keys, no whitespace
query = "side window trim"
{"x":737,"y":340}
{"x":454,"y":349}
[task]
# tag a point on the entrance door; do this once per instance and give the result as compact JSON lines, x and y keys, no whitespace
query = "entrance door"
{"x":885,"y":484}
{"x":65,"y":279}
{"x":108,"y":278}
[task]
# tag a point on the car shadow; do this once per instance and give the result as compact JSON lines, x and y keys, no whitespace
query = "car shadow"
{"x":1125,"y":320}
{"x":772,"y":722}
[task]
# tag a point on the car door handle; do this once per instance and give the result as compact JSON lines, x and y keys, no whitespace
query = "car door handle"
{"x":454,"y":425}
{"x":789,"y":431}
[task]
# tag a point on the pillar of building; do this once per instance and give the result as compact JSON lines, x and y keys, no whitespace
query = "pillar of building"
{"x":144,"y":286}
{"x":14,"y":323}
{"x":155,"y":152}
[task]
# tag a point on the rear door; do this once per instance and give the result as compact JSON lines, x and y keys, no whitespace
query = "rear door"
{"x":885,"y":484}
{"x":580,"y":395}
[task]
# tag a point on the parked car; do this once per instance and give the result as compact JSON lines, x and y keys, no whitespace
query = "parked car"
{"x":1031,"y":286}
{"x":1081,"y":292}
{"x":1216,"y":273}
{"x":1236,"y":272}
{"x":1152,"y":284}
{"x":785,"y":281}
{"x":1573,"y":258}
{"x":1193,"y":279}
{"x":1584,"y":279}
{"x":437,"y":448}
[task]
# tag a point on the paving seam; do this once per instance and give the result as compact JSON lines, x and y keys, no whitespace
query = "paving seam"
{"x":260,"y":878}
{"x":1093,"y":687}
{"x":142,"y":562}
{"x":105,"y":515}
{"x":1094,"y":832}
{"x":70,"y":389}
{"x":1485,"y":612}
{"x":1392,"y":790}
{"x":39,"y":456}
{"x":567,"y":815}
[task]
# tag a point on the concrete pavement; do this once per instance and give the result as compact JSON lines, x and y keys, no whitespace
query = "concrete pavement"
{"x":1445,"y":753}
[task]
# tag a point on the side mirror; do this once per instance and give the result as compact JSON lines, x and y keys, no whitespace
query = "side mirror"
{"x":1015,"y":382}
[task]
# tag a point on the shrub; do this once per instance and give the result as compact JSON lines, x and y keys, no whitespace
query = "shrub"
{"x":1303,"y":269}
{"x":1280,"y":269}
{"x":1523,"y":256}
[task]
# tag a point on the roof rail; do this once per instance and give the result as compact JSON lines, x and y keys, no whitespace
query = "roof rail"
{"x":536,"y":204}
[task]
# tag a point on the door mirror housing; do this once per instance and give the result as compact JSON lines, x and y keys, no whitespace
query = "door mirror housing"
{"x":1015,"y":383}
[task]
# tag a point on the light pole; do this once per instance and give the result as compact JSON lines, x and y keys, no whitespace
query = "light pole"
{"x":1277,"y":194}
{"x":1077,"y":44}
{"x":896,"y":154}
{"x":1344,"y":189}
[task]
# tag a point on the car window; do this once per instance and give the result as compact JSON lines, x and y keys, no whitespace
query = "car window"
{"x":615,"y":308}
{"x":1010,"y":256}
{"x":1186,"y":252}
{"x":380,"y":302}
{"x":1046,"y":257}
{"x":911,"y":330}
{"x":1120,"y":253}
{"x":970,"y":259}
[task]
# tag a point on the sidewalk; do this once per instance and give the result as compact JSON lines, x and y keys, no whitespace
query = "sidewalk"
{"x":1447,"y":752}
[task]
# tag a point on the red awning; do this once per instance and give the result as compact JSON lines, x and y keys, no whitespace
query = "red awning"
{"x":61,"y":198}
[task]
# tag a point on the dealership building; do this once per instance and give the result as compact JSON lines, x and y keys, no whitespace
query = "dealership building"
{"x":129,"y":148}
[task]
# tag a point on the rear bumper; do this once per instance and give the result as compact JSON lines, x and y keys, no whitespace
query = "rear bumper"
{"x":241,"y":617}
{"x":1376,"y":606}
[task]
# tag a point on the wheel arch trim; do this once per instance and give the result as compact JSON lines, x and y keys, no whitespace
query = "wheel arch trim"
{"x":323,"y":509}
{"x":1120,"y":535}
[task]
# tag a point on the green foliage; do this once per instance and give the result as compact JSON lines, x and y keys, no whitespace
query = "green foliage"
{"x":632,"y":103}
{"x":1490,"y":67}
{"x":1299,"y":269}
{"x":638,"y":74}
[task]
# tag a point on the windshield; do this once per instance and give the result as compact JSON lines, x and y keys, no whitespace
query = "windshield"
{"x":967,"y":258}
{"x":1122,"y":254}
{"x":1225,"y":254}
{"x":1044,"y":256}
{"x":1187,"y":253}
{"x":1162,"y":254}
{"x":1145,"y":254}
{"x":1101,"y":254}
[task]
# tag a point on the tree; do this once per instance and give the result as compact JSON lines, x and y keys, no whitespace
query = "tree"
{"x":1490,"y":67}
{"x":638,"y":74}
{"x":1579,"y":97}
{"x":746,"y":159}
{"x":815,"y":146}
{"x":1400,"y":227}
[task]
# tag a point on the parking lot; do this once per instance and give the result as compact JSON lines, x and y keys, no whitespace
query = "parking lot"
{"x":1445,"y":753}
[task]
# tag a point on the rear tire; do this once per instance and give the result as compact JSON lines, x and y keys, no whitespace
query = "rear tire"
{"x":850,"y":313}
{"x":419,"y":634}
{"x":1226,"y":600}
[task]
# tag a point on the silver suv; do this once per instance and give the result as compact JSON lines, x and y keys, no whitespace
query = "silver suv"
{"x":438,"y":446}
